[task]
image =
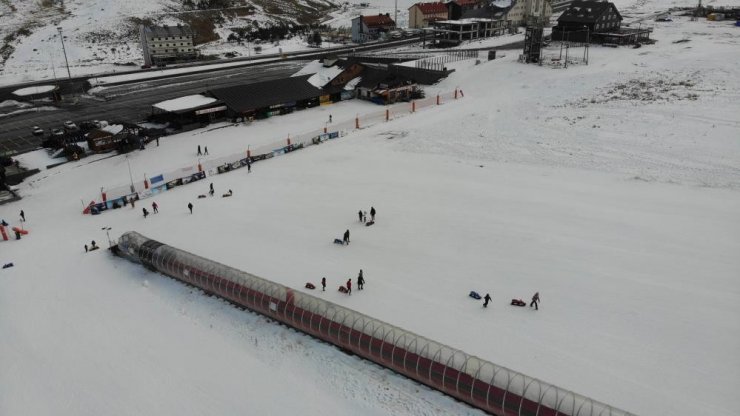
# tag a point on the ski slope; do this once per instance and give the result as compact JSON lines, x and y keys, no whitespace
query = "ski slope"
{"x":612,"y":189}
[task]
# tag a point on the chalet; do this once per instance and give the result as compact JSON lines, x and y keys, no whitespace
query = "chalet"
{"x":111,"y":137}
{"x":586,"y":21}
{"x":422,"y":14}
{"x":381,"y":87}
{"x":365,"y":28}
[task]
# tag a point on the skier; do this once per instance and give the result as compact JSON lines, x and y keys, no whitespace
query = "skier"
{"x":535,"y":301}
{"x":486,"y":300}
{"x":329,"y":118}
{"x":199,"y":152}
{"x":93,"y":246}
{"x":349,"y":286}
{"x":145,"y":212}
{"x":359,"y":214}
{"x":372,"y":214}
{"x":323,"y":284}
{"x":23,"y":216}
{"x":190,"y":207}
{"x":155,"y":207}
{"x":86,"y":248}
{"x":205,"y":150}
{"x":360,"y":280}
{"x":346,"y":237}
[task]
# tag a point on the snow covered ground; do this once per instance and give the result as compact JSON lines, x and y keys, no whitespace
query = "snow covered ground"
{"x":611,"y":188}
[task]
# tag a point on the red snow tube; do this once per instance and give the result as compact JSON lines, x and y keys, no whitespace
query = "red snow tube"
{"x":19,"y":230}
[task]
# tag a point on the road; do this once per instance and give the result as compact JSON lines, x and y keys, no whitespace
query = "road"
{"x":130,"y":102}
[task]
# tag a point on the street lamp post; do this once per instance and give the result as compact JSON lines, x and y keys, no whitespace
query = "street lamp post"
{"x":64,"y":50}
{"x":588,"y":43}
{"x":130,"y":175}
{"x":107,"y":233}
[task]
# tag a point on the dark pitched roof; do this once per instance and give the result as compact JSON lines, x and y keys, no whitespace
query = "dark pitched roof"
{"x":431,"y":8}
{"x":264,"y":94}
{"x":586,"y":11}
{"x":482,"y":13}
{"x":168,"y":31}
{"x":379,"y":20}
{"x":371,"y":77}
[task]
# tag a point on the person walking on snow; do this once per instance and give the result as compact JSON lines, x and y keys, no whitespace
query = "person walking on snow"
{"x":329,"y":118}
{"x":190,"y":207}
{"x":323,"y":284}
{"x":535,"y":301}
{"x":360,"y":281}
{"x":486,"y":300}
{"x":372,"y":214}
{"x":155,"y":207}
{"x":132,"y":203}
{"x":349,"y":286}
{"x":23,"y":216}
{"x":86,"y":248}
{"x":211,"y":192}
{"x":249,"y":166}
{"x":359,"y":215}
{"x":205,"y":150}
{"x":346,"y":237}
{"x":199,"y":152}
{"x":145,"y":212}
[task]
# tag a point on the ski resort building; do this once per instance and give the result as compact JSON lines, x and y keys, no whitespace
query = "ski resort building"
{"x":366,"y":28}
{"x":423,"y":14}
{"x":167,"y":44}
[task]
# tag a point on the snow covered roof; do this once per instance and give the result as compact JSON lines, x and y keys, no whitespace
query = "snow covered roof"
{"x":324,"y":76}
{"x":113,"y":128}
{"x":39,"y":89}
{"x":185,"y":103}
{"x":465,"y":21}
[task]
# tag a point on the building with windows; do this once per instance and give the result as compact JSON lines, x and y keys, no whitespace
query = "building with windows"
{"x":167,"y":44}
{"x":422,"y":14}
{"x":365,"y":28}
{"x":526,"y":12}
{"x":587,"y":21}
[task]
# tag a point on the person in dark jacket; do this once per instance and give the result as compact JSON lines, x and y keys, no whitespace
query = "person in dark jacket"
{"x":190,"y":207}
{"x":249,"y":166}
{"x":360,"y":281}
{"x":535,"y":301}
{"x":372,"y":214}
{"x":86,"y":248}
{"x":486,"y":300}
{"x":349,"y":286}
{"x":359,"y":215}
{"x":145,"y":212}
{"x":205,"y":150}
{"x":323,"y":284}
{"x":199,"y":152}
{"x":155,"y":207}
{"x":23,"y":216}
{"x":346,"y":237}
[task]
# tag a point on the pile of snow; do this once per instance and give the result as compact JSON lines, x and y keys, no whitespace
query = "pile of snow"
{"x":39,"y":89}
{"x":185,"y":103}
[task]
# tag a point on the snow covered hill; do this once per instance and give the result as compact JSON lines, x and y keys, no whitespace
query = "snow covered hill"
{"x":102,"y":35}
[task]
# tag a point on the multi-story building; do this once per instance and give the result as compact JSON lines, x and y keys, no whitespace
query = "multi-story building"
{"x":167,"y":44}
{"x":366,"y":28}
{"x":423,"y":14}
{"x":525,"y":12}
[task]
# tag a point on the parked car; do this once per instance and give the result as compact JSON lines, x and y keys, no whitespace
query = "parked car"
{"x":395,"y":34}
{"x":69,"y":125}
{"x":57,"y":132}
{"x":38,"y":131}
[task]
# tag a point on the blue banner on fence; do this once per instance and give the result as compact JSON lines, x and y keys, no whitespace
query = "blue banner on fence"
{"x":155,"y":179}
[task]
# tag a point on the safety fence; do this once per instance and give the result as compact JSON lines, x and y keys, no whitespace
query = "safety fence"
{"x":480,"y":383}
{"x":119,"y":196}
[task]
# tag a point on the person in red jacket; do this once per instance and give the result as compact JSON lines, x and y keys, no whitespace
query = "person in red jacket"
{"x":349,"y":286}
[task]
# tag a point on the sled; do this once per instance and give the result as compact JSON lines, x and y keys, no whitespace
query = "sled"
{"x":518,"y":302}
{"x":310,"y":285}
{"x":94,"y":248}
{"x":369,"y":223}
{"x":20,"y":230}
{"x":473,"y":294}
{"x":7,"y":265}
{"x":201,"y":196}
{"x":225,"y":195}
{"x":338,"y":241}
{"x":343,"y":289}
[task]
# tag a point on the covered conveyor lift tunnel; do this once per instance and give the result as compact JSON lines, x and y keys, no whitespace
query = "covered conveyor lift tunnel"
{"x":482,"y":384}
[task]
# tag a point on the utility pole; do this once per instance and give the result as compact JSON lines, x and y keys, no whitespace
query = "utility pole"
{"x":61,"y":37}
